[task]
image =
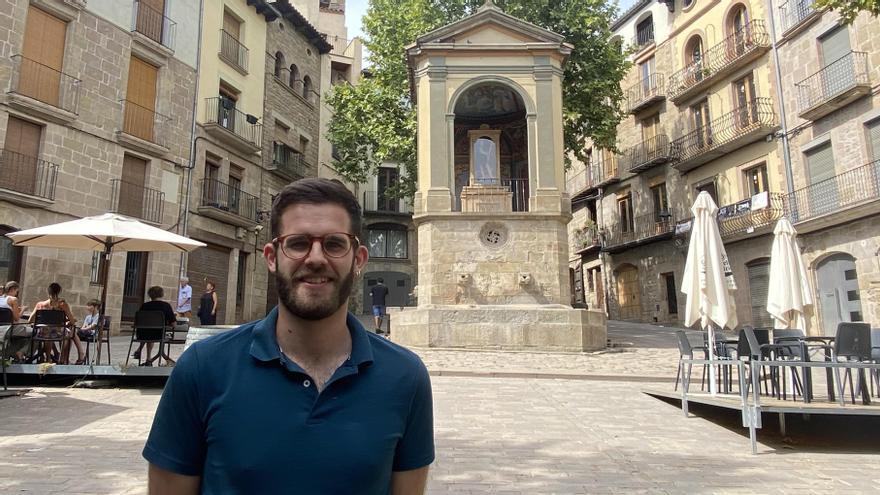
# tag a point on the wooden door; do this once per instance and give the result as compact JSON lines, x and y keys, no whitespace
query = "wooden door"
{"x":151,"y":19}
{"x":134,"y":285}
{"x":20,"y":164}
{"x":43,"y":57}
{"x":628,"y":299}
{"x":131,"y":190}
{"x":141,"y":99}
{"x":839,"y":296}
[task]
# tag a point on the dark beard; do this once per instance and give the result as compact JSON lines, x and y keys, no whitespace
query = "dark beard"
{"x":313,"y":310}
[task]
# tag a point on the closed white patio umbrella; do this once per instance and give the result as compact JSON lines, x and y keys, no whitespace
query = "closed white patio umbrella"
{"x":708,"y":280}
{"x":106,"y":233}
{"x":790,"y":298}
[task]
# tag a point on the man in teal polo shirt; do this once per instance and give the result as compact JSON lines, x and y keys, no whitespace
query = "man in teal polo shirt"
{"x":306,"y":400}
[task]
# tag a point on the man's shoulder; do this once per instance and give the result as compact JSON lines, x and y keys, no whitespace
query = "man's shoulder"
{"x":395,"y":355}
{"x":226,"y":342}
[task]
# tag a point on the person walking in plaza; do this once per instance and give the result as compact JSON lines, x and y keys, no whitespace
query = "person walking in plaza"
{"x":56,"y":302}
{"x":305,"y":400}
{"x":184,"y":299}
{"x":156,"y":303}
{"x":208,"y":305}
{"x":379,"y":292}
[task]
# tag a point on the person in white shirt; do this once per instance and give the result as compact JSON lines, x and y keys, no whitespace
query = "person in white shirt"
{"x":184,"y":298}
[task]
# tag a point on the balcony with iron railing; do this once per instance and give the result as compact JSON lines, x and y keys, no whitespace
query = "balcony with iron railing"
{"x":340,"y":46}
{"x":643,"y":229}
{"x":644,"y":36}
{"x":586,"y":239}
{"x":844,"y":195}
{"x":224,"y":121}
{"x":27,"y":180}
{"x":288,"y":162}
{"x":233,"y":51}
{"x":228,"y":203}
{"x":46,"y":91}
{"x":647,"y":154}
{"x":732,"y":53}
{"x":743,"y":125}
{"x":519,"y":194}
{"x":332,"y":5}
{"x":376,"y":202}
{"x":645,"y":93}
{"x":605,"y":169}
{"x":137,"y":200}
{"x":579,"y":179}
{"x":751,"y":216}
{"x":795,"y":15}
{"x":144,"y":128}
{"x":836,"y":85}
{"x":154,"y":25}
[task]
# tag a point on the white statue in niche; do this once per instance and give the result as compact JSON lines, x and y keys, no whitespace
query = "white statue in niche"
{"x":485,"y":161}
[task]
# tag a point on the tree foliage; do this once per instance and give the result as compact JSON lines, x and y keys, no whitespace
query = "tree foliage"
{"x":374,"y":122}
{"x":849,"y":9}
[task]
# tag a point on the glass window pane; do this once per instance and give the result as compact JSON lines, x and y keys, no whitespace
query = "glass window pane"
{"x":397,"y":243}
{"x":376,"y":243}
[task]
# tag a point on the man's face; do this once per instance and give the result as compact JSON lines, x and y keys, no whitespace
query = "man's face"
{"x":316,"y":286}
{"x":183,"y":283}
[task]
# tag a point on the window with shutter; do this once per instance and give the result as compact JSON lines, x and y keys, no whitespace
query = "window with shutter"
{"x":42,"y":56}
{"x":759,"y":285}
{"x":823,"y":194}
{"x":19,"y":160}
{"x":873,"y":129}
{"x":820,"y":163}
{"x":140,"y":99}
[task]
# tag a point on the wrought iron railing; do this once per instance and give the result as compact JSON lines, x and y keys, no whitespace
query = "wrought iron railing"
{"x":586,"y":237}
{"x":648,"y":153}
{"x":146,"y":124}
{"x":27,"y":175}
{"x":222,"y":112}
{"x":340,"y":45}
{"x":41,"y":82}
{"x":154,"y":24}
{"x":729,"y":51}
{"x":835,"y":78}
{"x":137,"y":200}
{"x":233,"y":51}
{"x":604,"y":168}
{"x":336,"y":6}
{"x":288,"y":161}
{"x":739,"y":122}
{"x":794,"y":12}
{"x":376,"y":201}
{"x":648,"y":88}
{"x":845,"y":190}
{"x":746,"y":216}
{"x":577,"y":181}
{"x":642,"y":228}
{"x":520,"y":190}
{"x":229,"y":198}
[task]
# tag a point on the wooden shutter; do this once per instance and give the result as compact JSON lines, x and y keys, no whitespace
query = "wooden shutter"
{"x":759,"y":286}
{"x":141,"y":99}
{"x":151,"y":19}
{"x":20,"y":164}
{"x":43,"y":56}
{"x":834,"y":45}
{"x":820,"y":163}
{"x":874,"y":139}
{"x":231,"y":25}
{"x":131,"y":190}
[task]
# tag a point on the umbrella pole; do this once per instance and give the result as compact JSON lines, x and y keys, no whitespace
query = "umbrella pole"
{"x":104,"y":277}
{"x":713,"y":388}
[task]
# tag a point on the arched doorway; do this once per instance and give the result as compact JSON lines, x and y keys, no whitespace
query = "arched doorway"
{"x":498,"y":110}
{"x":838,"y":287}
{"x":628,"y":300}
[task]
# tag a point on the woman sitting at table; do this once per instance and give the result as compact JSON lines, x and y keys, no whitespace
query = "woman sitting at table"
{"x":56,"y":302}
{"x":20,"y":334}
{"x":156,"y":304}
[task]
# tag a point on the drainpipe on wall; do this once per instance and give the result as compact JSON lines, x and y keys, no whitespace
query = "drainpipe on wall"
{"x":192,"y":148}
{"x":786,"y":150}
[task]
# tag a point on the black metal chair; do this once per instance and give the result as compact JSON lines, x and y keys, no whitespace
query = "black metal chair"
{"x":89,"y":339}
{"x":686,"y":350}
{"x":6,"y":318}
{"x":755,"y":343}
{"x":176,"y":335}
{"x":149,"y":327}
{"x":853,"y":344}
{"x":792,"y":348}
{"x":875,"y":357}
{"x":50,"y":326}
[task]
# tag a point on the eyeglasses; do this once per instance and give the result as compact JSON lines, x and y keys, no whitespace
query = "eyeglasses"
{"x":298,"y":246}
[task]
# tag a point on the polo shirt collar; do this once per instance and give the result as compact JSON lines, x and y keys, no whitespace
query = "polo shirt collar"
{"x":264,"y":344}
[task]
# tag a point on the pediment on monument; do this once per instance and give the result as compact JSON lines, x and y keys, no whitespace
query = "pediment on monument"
{"x":490,"y":26}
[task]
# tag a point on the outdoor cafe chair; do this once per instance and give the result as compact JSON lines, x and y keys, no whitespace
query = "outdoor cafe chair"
{"x":792,"y":348}
{"x":176,"y":334}
{"x":6,"y":318}
{"x":754,"y":343}
{"x":149,"y":326}
{"x":93,"y":338}
{"x":853,"y":344}
{"x":50,"y":326}
{"x":686,"y":350}
{"x":875,"y":357}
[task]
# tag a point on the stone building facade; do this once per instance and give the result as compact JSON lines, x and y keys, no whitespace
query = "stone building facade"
{"x":97,"y":117}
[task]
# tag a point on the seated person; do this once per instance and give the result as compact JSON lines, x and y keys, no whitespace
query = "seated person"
{"x":90,"y":322}
{"x":56,"y":302}
{"x":156,"y":304}
{"x":20,"y":335}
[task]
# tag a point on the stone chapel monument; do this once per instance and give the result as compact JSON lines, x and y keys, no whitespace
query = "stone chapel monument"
{"x":491,"y":208}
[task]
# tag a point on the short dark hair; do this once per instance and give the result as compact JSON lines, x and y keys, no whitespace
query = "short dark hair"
{"x":155,"y":292}
{"x":12,"y":284}
{"x":54,"y":289}
{"x":94,"y":303}
{"x":316,"y":191}
{"x":381,"y":281}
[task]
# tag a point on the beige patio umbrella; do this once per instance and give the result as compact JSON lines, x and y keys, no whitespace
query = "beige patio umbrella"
{"x":708,"y":280}
{"x":789,"y":298}
{"x":106,"y":233}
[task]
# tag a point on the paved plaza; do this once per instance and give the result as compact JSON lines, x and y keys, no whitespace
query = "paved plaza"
{"x":593,"y":432}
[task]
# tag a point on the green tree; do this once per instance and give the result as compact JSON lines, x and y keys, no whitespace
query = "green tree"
{"x":374,"y":122}
{"x":849,"y":9}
